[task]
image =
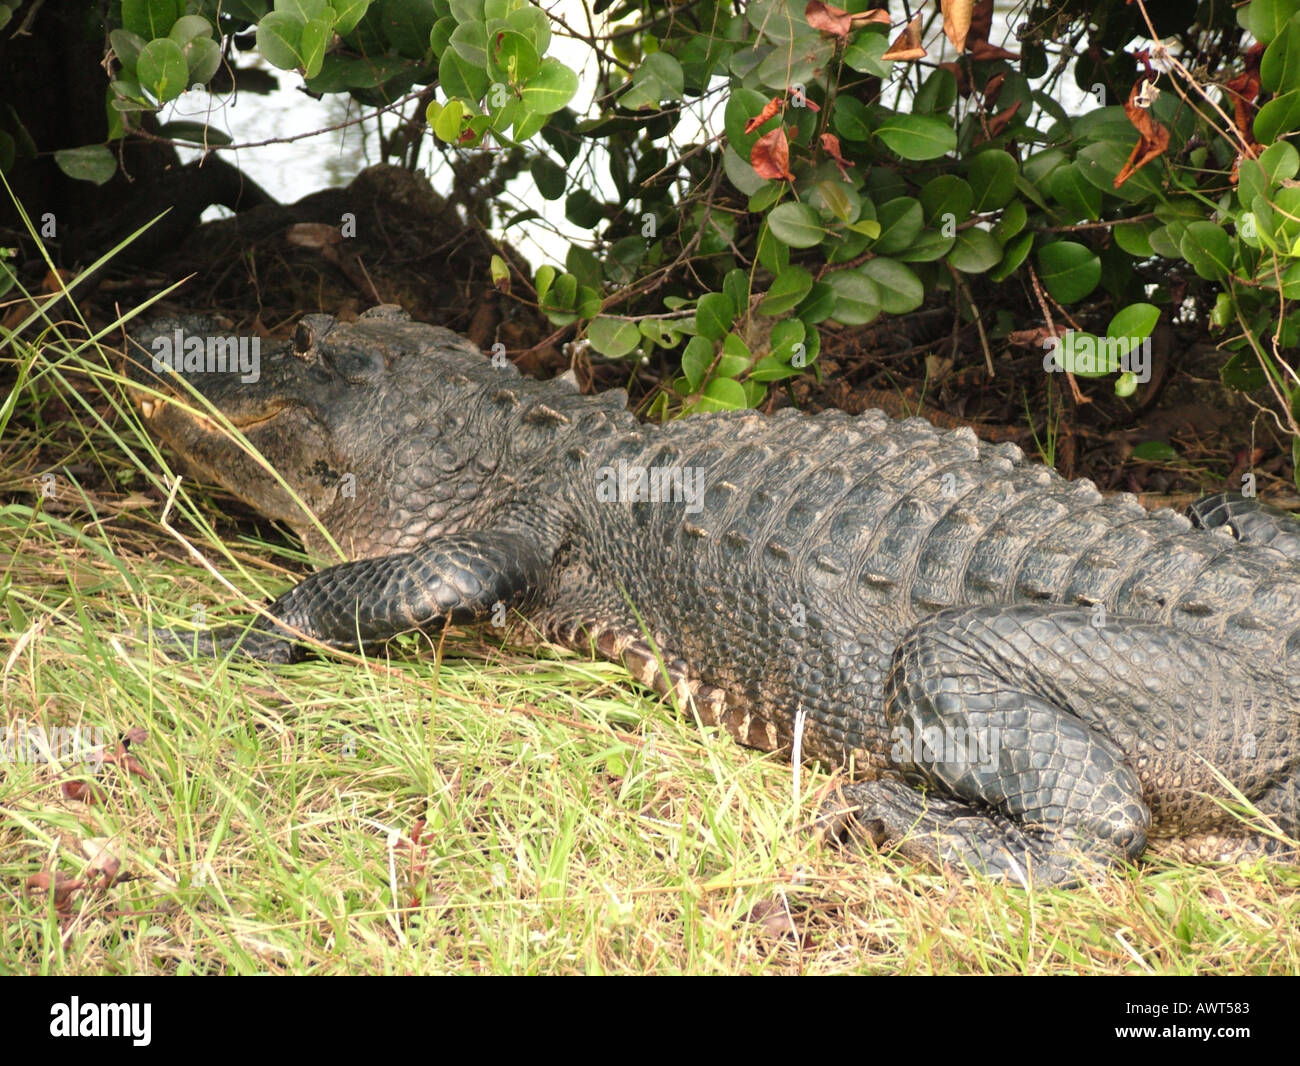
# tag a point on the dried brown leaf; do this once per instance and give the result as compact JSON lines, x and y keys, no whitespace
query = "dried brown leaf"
{"x":908,"y":45}
{"x":770,"y":156}
{"x":956,"y":21}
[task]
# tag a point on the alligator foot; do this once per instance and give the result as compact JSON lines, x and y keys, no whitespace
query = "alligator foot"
{"x":1249,"y":520}
{"x":214,"y":643}
{"x":458,"y":579}
{"x":934,"y":829}
{"x":1046,"y":743}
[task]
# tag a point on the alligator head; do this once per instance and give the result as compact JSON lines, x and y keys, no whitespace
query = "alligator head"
{"x":358,"y":419}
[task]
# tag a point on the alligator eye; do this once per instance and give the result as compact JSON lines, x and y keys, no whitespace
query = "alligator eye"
{"x":303,"y":340}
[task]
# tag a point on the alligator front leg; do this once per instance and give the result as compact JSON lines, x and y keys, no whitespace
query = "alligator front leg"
{"x":1249,"y":520}
{"x":457,"y":579}
{"x":1048,"y":745}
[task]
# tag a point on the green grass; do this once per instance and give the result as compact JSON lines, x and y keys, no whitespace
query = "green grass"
{"x":567,"y":821}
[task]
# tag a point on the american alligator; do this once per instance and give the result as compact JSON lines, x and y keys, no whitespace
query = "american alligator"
{"x":1017,"y":673}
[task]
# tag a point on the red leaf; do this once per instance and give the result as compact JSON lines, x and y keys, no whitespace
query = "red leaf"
{"x":770,"y":156}
{"x":838,"y":21}
{"x":769,"y":109}
{"x":982,"y":51}
{"x":832,"y":145}
{"x":1244,"y":89}
{"x":1153,"y":138}
{"x":831,"y":19}
{"x":981,"y":22}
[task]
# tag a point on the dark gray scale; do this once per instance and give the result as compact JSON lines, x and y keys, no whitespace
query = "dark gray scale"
{"x":928,"y":602}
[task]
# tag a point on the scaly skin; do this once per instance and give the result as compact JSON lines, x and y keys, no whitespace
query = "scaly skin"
{"x":1023,"y":676}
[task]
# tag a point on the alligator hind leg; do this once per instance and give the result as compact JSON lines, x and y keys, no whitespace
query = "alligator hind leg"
{"x":1250,"y":521}
{"x":1049,"y":746}
{"x":455,"y":579}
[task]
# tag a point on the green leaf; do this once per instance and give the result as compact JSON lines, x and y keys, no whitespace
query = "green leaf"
{"x":545,"y":277}
{"x":1014,"y":219}
{"x":347,"y":13}
{"x":1069,"y":188}
{"x":194,"y":132}
{"x":975,"y":251}
{"x":202,"y":59}
{"x":723,"y":394}
{"x":151,"y":19}
{"x":714,"y":315}
{"x":743,"y":176}
{"x":901,"y":220}
{"x":549,"y":177}
{"x":1155,"y":451}
{"x":533,"y":24}
{"x":1134,"y":237}
{"x":1281,"y":63}
{"x":467,"y":10}
{"x":94,"y":163}
{"x":917,"y":137}
{"x":735,"y":358}
{"x":1101,"y":163}
{"x":187,"y":27}
{"x":512,"y":57}
{"x":901,"y":290}
{"x":583,"y":209}
{"x":1265,"y":18}
{"x":446,"y":125}
{"x":1136,"y":321}
{"x":1278,"y":117}
{"x":736,"y":287}
{"x":1256,"y":177}
{"x":658,"y":78}
{"x":500,"y":271}
{"x":851,"y":119}
{"x":127,"y":47}
{"x":306,"y":9}
{"x":551,"y":88}
{"x":857,"y":298}
{"x":564,"y":293}
{"x":946,"y":195}
{"x":818,"y":305}
{"x":1069,"y":270}
{"x":836,"y":198}
{"x":697,"y":357}
{"x":279,"y":39}
{"x":615,"y":337}
{"x":1243,"y":372}
{"x":162,"y":69}
{"x":796,"y":225}
{"x":787,"y":291}
{"x":1015,"y":253}
{"x":773,"y":254}
{"x":1208,"y":248}
{"x":785,"y":336}
{"x":864,"y":51}
{"x":316,"y":35}
{"x":929,"y":245}
{"x":992,"y":176}
{"x":469,"y":41}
